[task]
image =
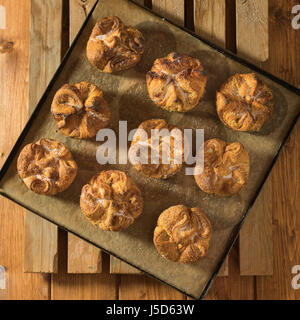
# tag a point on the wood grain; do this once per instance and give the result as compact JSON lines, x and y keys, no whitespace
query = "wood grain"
{"x":282,"y":189}
{"x":81,"y":286}
{"x":171,"y":9}
{"x":256,"y":240}
{"x":40,"y":254}
{"x":19,"y":285}
{"x":82,"y":256}
{"x":145,"y":288}
{"x":210,"y":20}
{"x":13,"y":108}
{"x":119,"y":267}
{"x":282,"y":192}
{"x":79,"y":9}
{"x":210,"y":23}
{"x":252,"y":34}
{"x":233,"y":287}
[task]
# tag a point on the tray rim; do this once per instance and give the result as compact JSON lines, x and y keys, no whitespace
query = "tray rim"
{"x":225,"y":52}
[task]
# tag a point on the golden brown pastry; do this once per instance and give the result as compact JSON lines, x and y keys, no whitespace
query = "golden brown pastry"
{"x":80,"y":110}
{"x":46,"y":167}
{"x":149,"y":148}
{"x":226,"y":168}
{"x":112,"y":46}
{"x":244,"y":102}
{"x":111,"y":200}
{"x":182,"y":234}
{"x":176,"y":82}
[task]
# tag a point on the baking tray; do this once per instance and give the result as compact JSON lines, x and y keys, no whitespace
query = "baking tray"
{"x":127,"y":96}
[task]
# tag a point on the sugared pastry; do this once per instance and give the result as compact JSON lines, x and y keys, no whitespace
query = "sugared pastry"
{"x":226,"y":168}
{"x":80,"y":110}
{"x":111,"y":200}
{"x":113,"y":46}
{"x":182,"y":234}
{"x":244,"y":102}
{"x":46,"y":167}
{"x":176,"y":82}
{"x":157,"y":157}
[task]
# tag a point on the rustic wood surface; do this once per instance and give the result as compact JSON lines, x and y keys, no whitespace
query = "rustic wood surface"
{"x":14,"y":112}
{"x":279,"y":198}
{"x":252,"y":33}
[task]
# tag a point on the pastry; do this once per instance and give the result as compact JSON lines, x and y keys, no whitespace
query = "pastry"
{"x":111,"y":200}
{"x":244,"y":102}
{"x":46,"y":167}
{"x":182,"y":234}
{"x":176,"y":82}
{"x":112,"y":46}
{"x":80,"y":110}
{"x":226,"y":168}
{"x":149,"y":147}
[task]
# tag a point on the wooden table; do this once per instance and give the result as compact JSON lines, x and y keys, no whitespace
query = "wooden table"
{"x":260,"y":264}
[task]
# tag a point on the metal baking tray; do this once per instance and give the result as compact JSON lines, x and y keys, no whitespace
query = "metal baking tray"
{"x":128,"y":98}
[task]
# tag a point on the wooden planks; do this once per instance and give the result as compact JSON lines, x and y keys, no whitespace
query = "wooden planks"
{"x":210,"y":20}
{"x":145,"y":288}
{"x":13,"y":108}
{"x":81,"y":286}
{"x":40,"y":245}
{"x":82,"y":256}
{"x":282,"y":189}
{"x":79,"y":9}
{"x":171,"y":9}
{"x":40,"y":254}
{"x":233,"y":287}
{"x":282,"y":192}
{"x":120,"y":267}
{"x":252,"y":33}
{"x":210,"y":23}
{"x":256,"y":242}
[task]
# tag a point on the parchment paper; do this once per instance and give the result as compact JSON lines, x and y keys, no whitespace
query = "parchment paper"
{"x":128,"y":98}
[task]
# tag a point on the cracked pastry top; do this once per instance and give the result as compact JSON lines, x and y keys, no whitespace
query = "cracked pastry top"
{"x":111,"y":200}
{"x":182,"y":234}
{"x":176,"y":82}
{"x":80,"y":110}
{"x":46,"y":166}
{"x":226,"y":168}
{"x":244,"y":102}
{"x":154,"y":155}
{"x":113,"y":46}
